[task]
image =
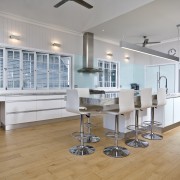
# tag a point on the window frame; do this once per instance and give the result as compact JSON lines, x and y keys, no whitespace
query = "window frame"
{"x":110,"y":81}
{"x":21,"y":70}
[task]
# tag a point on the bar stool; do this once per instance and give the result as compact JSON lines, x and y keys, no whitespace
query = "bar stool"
{"x":73,"y":105}
{"x":89,"y":137}
{"x":145,"y":102}
{"x":159,"y":101}
{"x":126,"y":105}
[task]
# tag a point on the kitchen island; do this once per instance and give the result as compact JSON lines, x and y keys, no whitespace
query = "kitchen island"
{"x":168,"y":115}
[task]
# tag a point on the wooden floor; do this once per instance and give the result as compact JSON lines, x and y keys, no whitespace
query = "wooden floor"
{"x":41,"y":152}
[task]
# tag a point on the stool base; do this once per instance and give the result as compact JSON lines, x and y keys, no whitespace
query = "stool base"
{"x":152,"y":136}
{"x":116,"y":151}
{"x":82,"y":150}
{"x":91,"y":138}
{"x":136,"y":143}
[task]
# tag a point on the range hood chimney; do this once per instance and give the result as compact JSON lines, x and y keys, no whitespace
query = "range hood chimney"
{"x":88,"y":54}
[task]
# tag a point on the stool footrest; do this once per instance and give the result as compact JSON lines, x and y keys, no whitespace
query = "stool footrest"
{"x":139,"y":128}
{"x":87,"y":138}
{"x":89,"y":125}
{"x":155,"y":123}
{"x":114,"y":135}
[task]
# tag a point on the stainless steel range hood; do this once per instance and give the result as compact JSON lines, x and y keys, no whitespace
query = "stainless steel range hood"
{"x":88,"y":54}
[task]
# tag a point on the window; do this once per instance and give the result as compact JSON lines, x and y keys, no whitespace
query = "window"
{"x":108,"y":76}
{"x":1,"y":68}
{"x":13,"y":69}
{"x":54,"y":73}
{"x":42,"y":71}
{"x":65,"y":71}
{"x":28,"y":70}
{"x":34,"y":70}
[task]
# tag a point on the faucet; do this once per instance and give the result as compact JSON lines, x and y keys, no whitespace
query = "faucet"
{"x":165,"y":84}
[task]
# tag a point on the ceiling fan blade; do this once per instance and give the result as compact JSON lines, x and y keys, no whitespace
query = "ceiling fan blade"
{"x":83,"y":3}
{"x":153,"y":42}
{"x":60,"y":3}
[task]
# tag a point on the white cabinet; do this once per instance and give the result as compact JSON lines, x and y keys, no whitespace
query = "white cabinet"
{"x":156,"y":77}
{"x":16,"y":118}
{"x":169,"y":114}
{"x":30,"y":108}
{"x":176,"y":110}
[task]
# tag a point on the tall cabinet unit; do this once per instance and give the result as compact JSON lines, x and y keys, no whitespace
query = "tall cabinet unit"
{"x":156,"y":76}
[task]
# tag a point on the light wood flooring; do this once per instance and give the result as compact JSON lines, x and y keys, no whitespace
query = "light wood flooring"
{"x":41,"y":152}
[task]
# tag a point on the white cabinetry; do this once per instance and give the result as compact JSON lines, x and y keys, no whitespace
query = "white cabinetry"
{"x":156,"y":77}
{"x":30,"y":108}
{"x":169,"y":115}
{"x":176,"y":110}
{"x":20,"y":109}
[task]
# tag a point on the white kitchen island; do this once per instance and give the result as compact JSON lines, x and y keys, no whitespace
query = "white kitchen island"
{"x":168,"y":115}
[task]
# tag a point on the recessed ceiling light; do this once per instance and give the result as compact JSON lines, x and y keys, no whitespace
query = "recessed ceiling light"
{"x":103,"y":30}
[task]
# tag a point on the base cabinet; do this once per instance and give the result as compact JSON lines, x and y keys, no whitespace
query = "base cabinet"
{"x":176,"y":110}
{"x":168,"y":113}
{"x":23,"y":109}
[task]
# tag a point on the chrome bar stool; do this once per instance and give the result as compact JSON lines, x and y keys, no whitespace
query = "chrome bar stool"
{"x":126,"y":105}
{"x":73,"y":105}
{"x":145,"y":102}
{"x":88,"y":137}
{"x":159,"y":101}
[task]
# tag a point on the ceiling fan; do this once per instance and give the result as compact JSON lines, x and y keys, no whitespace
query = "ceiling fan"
{"x":146,"y":41}
{"x":81,"y":2}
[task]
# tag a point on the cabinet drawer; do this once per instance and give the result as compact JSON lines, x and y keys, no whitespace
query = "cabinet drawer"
{"x":50,"y":97}
{"x":48,"y":104}
{"x":20,"y":118}
{"x":20,"y":98}
{"x":20,"y":106}
{"x":48,"y":114}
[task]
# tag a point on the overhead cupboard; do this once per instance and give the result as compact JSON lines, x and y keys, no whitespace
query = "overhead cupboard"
{"x":32,"y":86}
{"x":23,"y":69}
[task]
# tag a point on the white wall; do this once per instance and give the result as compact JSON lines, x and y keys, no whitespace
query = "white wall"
{"x":37,"y":36}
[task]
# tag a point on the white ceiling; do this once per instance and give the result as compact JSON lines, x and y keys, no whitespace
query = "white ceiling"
{"x":120,"y":19}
